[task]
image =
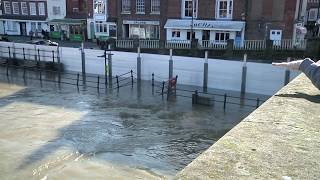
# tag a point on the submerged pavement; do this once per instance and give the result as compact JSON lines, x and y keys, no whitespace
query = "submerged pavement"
{"x":60,"y":132}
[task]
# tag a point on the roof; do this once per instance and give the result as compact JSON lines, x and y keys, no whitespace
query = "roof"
{"x":205,"y":24}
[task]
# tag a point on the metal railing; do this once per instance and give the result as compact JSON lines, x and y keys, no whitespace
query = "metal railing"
{"x":211,"y":44}
{"x":150,"y":44}
{"x":250,"y":45}
{"x":178,"y":44}
{"x":125,"y":44}
{"x":288,"y":44}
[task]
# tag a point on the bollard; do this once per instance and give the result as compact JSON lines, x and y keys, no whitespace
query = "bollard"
{"x":244,"y":75}
{"x":225,"y":101}
{"x":287,"y":74}
{"x":152,"y":80}
{"x":105,"y":69}
{"x":205,"y":72}
{"x":170,"y":65}
{"x":40,"y":77}
{"x":258,"y":103}
{"x":24,"y":72}
{"x":7,"y":70}
{"x":53,"y":56}
{"x":98,"y":83}
{"x":139,"y":65}
{"x":83,"y":62}
{"x":24,"y":55}
{"x":14,"y":51}
{"x":78,"y":76}
{"x":195,"y":97}
{"x":131,"y":78}
{"x":58,"y":55}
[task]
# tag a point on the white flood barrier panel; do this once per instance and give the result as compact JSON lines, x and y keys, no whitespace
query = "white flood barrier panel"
{"x":222,"y":74}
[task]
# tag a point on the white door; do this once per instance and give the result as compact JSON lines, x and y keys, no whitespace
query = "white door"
{"x":276,"y":36}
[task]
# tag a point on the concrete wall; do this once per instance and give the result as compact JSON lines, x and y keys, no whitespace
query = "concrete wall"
{"x":280,"y":140}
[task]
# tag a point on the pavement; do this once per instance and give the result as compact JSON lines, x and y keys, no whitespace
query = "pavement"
{"x":74,"y":44}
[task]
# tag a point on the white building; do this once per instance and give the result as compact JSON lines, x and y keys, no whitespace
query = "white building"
{"x":100,"y":27}
{"x":217,"y":29}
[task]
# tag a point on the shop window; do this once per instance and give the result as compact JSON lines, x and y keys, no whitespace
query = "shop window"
{"x":140,"y":6}
{"x":112,"y":30}
{"x":99,"y":7}
{"x":12,"y":26}
{"x":176,"y":34}
{"x":39,"y":27}
{"x":33,"y":27}
{"x":224,"y":9}
{"x":75,"y":29}
{"x":41,"y":8}
{"x":24,"y":8}
{"x":222,"y":37}
{"x":33,"y":8}
{"x":101,"y":27}
{"x":189,"y":35}
{"x":190,"y":8}
{"x":126,"y":6}
{"x":7,"y":7}
{"x":155,"y":6}
{"x":15,"y":6}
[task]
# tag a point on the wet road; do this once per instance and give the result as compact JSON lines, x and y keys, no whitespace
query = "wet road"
{"x":60,"y":132}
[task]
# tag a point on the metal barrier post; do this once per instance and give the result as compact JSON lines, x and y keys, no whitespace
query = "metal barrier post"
{"x":287,"y":74}
{"x":53,"y":56}
{"x":258,"y":103}
{"x":78,"y":76}
{"x":225,"y":101}
{"x":9,"y":52}
{"x":83,"y":59}
{"x":39,"y":55}
{"x":162,"y":87}
{"x":152,"y":79}
{"x":170,"y":65}
{"x":14,"y":51}
{"x":244,"y":75}
{"x":131,"y":78}
{"x":98,"y":83}
{"x":24,"y":55}
{"x":117,"y":77}
{"x":40,"y":77}
{"x":205,"y":72}
{"x":110,"y":68}
{"x":139,"y":65}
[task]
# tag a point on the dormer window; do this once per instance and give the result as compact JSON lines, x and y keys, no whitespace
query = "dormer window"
{"x":224,"y":9}
{"x":189,"y":8}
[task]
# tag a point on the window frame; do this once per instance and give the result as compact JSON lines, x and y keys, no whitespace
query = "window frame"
{"x":30,"y":8}
{"x":6,"y":7}
{"x":24,"y":8}
{"x":155,"y":6}
{"x":140,"y":7}
{"x":126,"y":6}
{"x":40,"y":8}
{"x":98,"y":4}
{"x":229,"y":9}
{"x":195,"y":9}
{"x":15,"y":8}
{"x":221,"y":34}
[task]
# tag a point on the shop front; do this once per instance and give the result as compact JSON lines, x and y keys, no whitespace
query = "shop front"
{"x":141,"y":29}
{"x":24,"y":27}
{"x":215,"y":32}
{"x":71,"y":29}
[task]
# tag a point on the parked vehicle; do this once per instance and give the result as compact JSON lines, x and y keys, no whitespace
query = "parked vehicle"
{"x":3,"y":38}
{"x":43,"y":42}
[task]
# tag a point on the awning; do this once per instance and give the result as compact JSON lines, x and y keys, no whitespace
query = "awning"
{"x":205,"y":25}
{"x":67,"y":21}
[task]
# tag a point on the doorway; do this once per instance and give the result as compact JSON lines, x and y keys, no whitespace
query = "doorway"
{"x":23,"y":28}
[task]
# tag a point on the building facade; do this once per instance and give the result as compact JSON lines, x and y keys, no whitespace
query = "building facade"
{"x":21,"y":17}
{"x":216,"y":21}
{"x":143,"y":19}
{"x":271,"y":19}
{"x":103,"y":23}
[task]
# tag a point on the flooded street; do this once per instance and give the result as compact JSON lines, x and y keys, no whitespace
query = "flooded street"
{"x":52,"y":132}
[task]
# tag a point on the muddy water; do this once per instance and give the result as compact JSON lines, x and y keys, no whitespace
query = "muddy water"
{"x":51,"y":132}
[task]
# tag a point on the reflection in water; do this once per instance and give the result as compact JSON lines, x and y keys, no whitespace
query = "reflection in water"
{"x":60,"y":132}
